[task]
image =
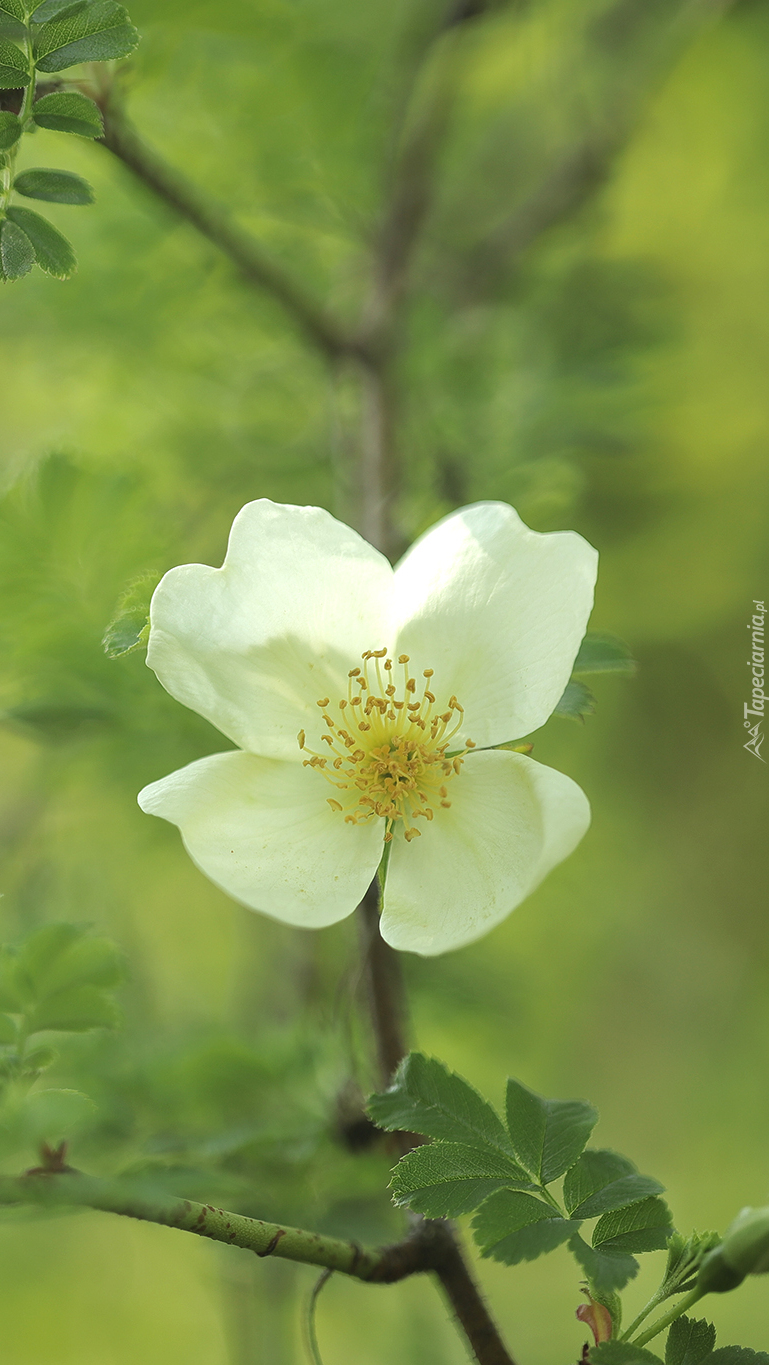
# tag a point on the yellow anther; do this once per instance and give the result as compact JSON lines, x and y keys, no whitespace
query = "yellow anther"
{"x":469,"y":743}
{"x":410,"y":834}
{"x":335,"y":805}
{"x":329,"y":722}
{"x":388,"y":663}
{"x":446,"y":804}
{"x":323,"y":702}
{"x":430,"y":697}
{"x":428,"y":673}
{"x":378,"y":653}
{"x":354,"y":673}
{"x":356,"y":701}
{"x":404,"y":659}
{"x":411,"y":685}
{"x":301,"y":737}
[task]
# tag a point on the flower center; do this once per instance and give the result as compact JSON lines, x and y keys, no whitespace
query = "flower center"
{"x":388,"y":753}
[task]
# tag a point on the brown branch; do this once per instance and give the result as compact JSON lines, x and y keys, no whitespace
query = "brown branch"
{"x":586,"y":164}
{"x":215,"y":223}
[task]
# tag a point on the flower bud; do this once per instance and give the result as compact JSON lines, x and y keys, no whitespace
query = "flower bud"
{"x":597,"y":1317}
{"x":743,"y":1251}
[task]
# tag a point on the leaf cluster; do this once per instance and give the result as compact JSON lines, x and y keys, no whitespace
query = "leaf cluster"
{"x":51,"y":38}
{"x":60,"y":980}
{"x":691,"y":1341}
{"x":504,"y":1171}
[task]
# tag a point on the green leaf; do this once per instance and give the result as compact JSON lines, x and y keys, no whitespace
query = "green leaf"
{"x":56,"y":187}
{"x":10,"y":130}
{"x":13,"y":7}
{"x":601,"y":653}
{"x":12,"y":996}
{"x":38,"y":1059}
{"x":603,"y":1180}
{"x":606,"y":1271}
{"x":55,"y":722}
{"x":75,"y":1011}
{"x":52,"y":250}
{"x":577,"y":701}
{"x":14,"y":67}
{"x":621,"y":1353}
{"x":737,"y":1355}
{"x":56,"y":9}
{"x":86,"y":962}
{"x":425,"y":1097}
{"x":446,"y":1179}
{"x":547,"y":1135}
{"x":17,"y":254}
{"x":129,"y":628}
{"x":69,"y":112}
{"x":97,"y":33}
{"x":8,"y":1029}
{"x":642,"y":1227}
{"x":689,"y":1341}
{"x":514,"y":1227}
{"x":50,"y":1115}
{"x":39,"y":953}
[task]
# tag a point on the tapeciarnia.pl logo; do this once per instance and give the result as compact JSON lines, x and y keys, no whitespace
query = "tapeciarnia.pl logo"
{"x":755,"y":707}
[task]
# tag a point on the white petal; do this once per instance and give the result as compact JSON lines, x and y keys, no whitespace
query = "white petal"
{"x":254,"y":645}
{"x":262,"y":830}
{"x":498,"y":611}
{"x":511,"y":821}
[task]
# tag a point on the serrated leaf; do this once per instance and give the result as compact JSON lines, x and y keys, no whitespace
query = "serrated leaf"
{"x":603,"y":653}
{"x":547,"y":1136}
{"x":425,"y":1097}
{"x":57,"y":9}
{"x":602,"y":1180}
{"x":97,"y":33}
{"x":577,"y":701}
{"x":737,"y":1355}
{"x":621,"y":1353}
{"x":606,"y":1272}
{"x":642,"y":1227}
{"x":514,"y":1227}
{"x":689,"y":1341}
{"x":17,"y":254}
{"x":13,"y":7}
{"x":685,"y":1256}
{"x":10,"y":130}
{"x":67,"y":111}
{"x":14,"y":67}
{"x":55,"y":187}
{"x":53,"y":252}
{"x":446,"y":1179}
{"x":75,"y":1011}
{"x":129,"y":628}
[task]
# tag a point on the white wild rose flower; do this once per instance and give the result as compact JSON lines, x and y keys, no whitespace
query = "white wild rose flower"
{"x":366,"y":702}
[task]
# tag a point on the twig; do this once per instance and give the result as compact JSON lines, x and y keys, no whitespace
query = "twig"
{"x":214,"y":222}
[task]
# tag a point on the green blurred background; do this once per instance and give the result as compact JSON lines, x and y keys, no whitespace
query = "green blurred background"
{"x":614,"y":381}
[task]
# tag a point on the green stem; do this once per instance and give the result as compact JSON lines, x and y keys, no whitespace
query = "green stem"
{"x":8,"y":162}
{"x":681,"y":1307}
{"x":656,"y":1298}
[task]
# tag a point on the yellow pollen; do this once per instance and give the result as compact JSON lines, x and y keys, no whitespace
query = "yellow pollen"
{"x":398,"y":761}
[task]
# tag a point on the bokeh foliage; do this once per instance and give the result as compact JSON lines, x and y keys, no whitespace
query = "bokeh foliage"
{"x":612,"y":381}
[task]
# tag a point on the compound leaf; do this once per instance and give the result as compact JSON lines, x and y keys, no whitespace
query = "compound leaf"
{"x":547,"y":1135}
{"x":514,"y":1227}
{"x":577,"y":701}
{"x":13,"y":7}
{"x":91,"y":33}
{"x":645,"y":1226}
{"x":425,"y":1097}
{"x":601,"y":1181}
{"x":14,"y":67}
{"x":69,"y":112}
{"x":53,"y":252}
{"x":10,"y":130}
{"x":56,"y":187}
{"x":737,"y":1355}
{"x":446,"y":1179}
{"x":689,"y":1341}
{"x":606,"y":1271}
{"x":17,"y":254}
{"x":621,"y":1353}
